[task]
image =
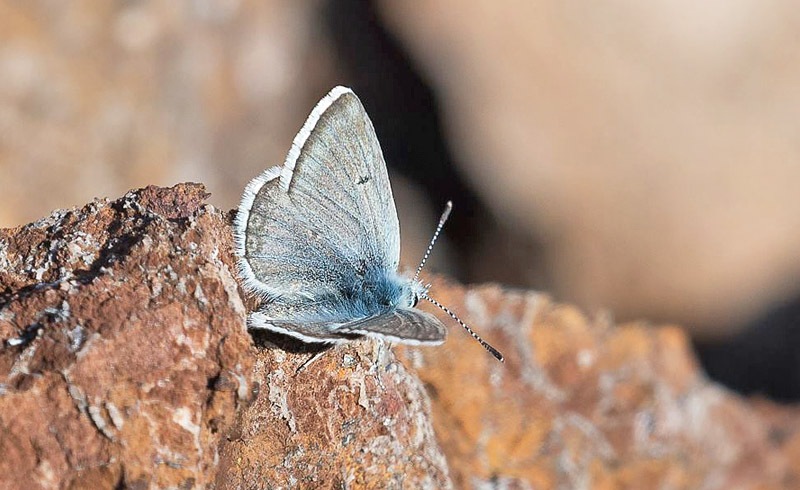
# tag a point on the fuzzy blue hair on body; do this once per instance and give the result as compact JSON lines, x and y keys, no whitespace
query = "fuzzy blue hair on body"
{"x":376,"y":293}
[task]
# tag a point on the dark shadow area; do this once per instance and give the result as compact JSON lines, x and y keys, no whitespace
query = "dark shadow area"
{"x":267,"y":339}
{"x":763,"y":359}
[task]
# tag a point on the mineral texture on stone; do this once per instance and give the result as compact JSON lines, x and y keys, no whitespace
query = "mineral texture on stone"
{"x":125,"y":362}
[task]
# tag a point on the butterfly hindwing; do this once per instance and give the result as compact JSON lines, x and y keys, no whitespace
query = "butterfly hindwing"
{"x":314,"y":332}
{"x":406,"y":325}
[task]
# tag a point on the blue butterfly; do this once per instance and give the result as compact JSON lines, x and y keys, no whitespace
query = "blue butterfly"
{"x":319,"y":241}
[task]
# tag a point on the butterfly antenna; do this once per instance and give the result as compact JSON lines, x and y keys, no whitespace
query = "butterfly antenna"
{"x":445,"y":214}
{"x":475,"y":336}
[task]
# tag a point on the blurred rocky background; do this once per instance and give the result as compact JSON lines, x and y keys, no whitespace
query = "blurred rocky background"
{"x":638,"y":158}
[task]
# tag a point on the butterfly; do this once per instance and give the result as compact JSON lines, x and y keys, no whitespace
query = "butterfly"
{"x":318,"y":239}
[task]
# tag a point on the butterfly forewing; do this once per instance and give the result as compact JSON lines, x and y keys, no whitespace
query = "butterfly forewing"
{"x":315,"y":224}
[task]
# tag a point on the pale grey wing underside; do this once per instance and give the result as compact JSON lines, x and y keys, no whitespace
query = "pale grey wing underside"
{"x":405,"y":325}
{"x":326,"y":215}
{"x":315,"y":332}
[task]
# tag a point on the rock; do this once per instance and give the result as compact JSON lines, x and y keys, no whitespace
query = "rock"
{"x":125,"y":363}
{"x":582,"y":403}
{"x":355,"y":418}
{"x":124,"y":352}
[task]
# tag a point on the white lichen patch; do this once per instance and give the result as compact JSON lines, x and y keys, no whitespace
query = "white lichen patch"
{"x":278,"y":398}
{"x":45,"y":475}
{"x":476,"y":307}
{"x":76,"y":394}
{"x":184,"y":418}
{"x":198,"y":349}
{"x":115,"y":415}
{"x":214,"y":255}
{"x":53,"y":221}
{"x":156,"y":288}
{"x":146,"y":242}
{"x":5,"y":263}
{"x":99,"y":421}
{"x":59,"y":314}
{"x":574,"y":461}
{"x":643,"y":428}
{"x":20,"y":365}
{"x":533,"y":374}
{"x":84,"y":348}
{"x":82,"y":248}
{"x":38,"y":273}
{"x":231,"y":290}
{"x":363,"y":398}
{"x":15,"y":341}
{"x":6,"y":316}
{"x":411,"y":439}
{"x":76,"y":337}
{"x":172,"y":275}
{"x":200,"y":296}
{"x":243,"y":388}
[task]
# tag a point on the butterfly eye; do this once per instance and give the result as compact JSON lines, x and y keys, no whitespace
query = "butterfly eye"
{"x":414,"y":300}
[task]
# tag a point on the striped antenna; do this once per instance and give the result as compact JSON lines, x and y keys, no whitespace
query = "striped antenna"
{"x":445,"y":214}
{"x":497,"y":355}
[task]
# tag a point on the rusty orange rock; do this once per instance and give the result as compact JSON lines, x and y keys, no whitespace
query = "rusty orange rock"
{"x":356,"y":418}
{"x":125,"y":354}
{"x":582,"y":403}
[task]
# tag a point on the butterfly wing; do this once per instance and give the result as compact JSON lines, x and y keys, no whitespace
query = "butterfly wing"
{"x":404,"y":325}
{"x":314,"y":332}
{"x":326,"y":216}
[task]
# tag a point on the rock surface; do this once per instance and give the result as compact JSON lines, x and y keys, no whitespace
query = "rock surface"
{"x":583,"y":403}
{"x":355,"y":418}
{"x":124,"y":351}
{"x":125,"y":363}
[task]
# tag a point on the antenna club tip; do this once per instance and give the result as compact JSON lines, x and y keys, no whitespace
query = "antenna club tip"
{"x":497,"y":355}
{"x":446,"y":213}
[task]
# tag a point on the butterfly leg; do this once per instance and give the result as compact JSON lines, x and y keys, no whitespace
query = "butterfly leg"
{"x":308,"y":362}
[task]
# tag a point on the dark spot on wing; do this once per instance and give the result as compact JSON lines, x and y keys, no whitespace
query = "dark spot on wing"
{"x":363,"y":180}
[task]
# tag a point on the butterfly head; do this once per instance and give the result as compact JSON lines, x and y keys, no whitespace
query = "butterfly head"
{"x":416,"y":291}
